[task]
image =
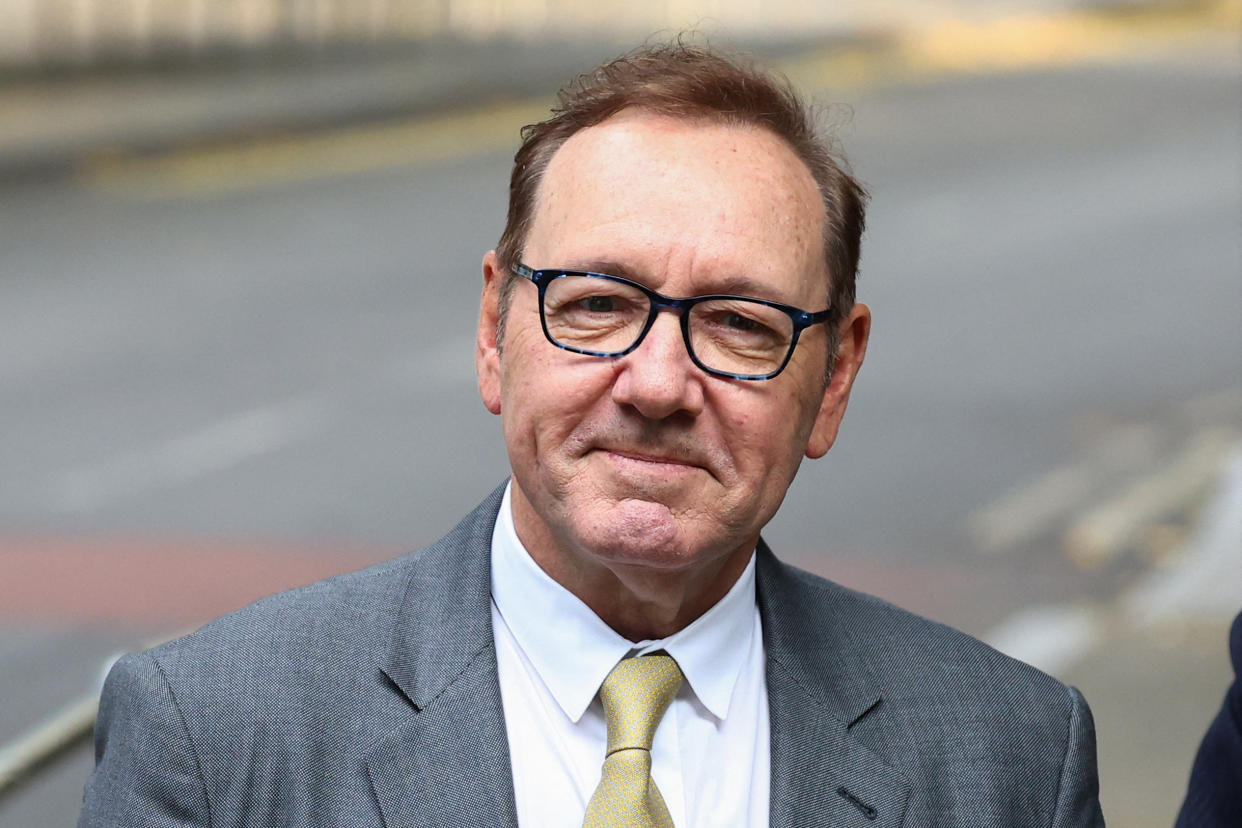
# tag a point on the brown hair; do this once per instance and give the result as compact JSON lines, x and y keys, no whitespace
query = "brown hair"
{"x":682,"y":80}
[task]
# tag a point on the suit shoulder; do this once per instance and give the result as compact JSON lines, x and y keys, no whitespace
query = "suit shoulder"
{"x":347,"y":613}
{"x":969,"y":726}
{"x":902,"y":649}
{"x":333,"y":636}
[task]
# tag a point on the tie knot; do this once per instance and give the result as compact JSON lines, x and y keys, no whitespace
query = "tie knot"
{"x":635,"y":696}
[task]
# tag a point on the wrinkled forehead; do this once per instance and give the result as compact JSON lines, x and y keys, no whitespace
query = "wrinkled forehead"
{"x":699,"y":196}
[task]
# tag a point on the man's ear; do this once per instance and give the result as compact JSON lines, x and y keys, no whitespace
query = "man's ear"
{"x":853,"y":333}
{"x":487,"y":346}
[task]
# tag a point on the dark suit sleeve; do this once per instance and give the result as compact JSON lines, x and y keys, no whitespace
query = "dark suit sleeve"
{"x":146,"y":769}
{"x":1078,"y":799}
{"x":1214,"y":795}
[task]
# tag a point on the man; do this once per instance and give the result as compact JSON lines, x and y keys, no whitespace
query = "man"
{"x":1214,"y":795}
{"x":667,"y":328}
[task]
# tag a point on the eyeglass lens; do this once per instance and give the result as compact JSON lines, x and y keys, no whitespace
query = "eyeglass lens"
{"x":735,"y":336}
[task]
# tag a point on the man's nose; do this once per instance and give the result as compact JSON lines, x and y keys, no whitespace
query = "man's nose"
{"x":658,"y":378}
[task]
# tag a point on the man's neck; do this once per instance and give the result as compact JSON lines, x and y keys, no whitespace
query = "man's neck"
{"x":643,"y":603}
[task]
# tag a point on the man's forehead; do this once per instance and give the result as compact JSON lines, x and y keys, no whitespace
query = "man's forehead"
{"x":739,"y":189}
{"x":665,"y":144}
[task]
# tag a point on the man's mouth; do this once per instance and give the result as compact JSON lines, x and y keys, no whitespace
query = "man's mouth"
{"x":649,"y":457}
{"x":650,"y":466}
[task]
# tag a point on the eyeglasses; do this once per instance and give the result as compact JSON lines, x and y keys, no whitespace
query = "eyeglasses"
{"x":606,"y":316}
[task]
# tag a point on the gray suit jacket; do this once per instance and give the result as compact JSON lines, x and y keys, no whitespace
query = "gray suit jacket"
{"x":372,"y":699}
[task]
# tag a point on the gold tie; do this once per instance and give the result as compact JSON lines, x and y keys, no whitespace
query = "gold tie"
{"x":635,"y":696}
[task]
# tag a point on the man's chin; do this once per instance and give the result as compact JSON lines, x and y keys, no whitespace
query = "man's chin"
{"x":642,"y":533}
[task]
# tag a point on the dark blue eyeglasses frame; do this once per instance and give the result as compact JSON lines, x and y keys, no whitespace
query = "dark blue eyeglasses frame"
{"x":801,"y":319}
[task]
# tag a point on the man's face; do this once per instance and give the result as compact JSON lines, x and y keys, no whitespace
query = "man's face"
{"x":645,"y":463}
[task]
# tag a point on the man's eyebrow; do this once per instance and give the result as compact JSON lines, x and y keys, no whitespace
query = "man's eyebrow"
{"x":736,"y":284}
{"x":608,"y":267}
{"x":739,"y":285}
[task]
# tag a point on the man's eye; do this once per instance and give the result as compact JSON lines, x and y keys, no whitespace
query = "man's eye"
{"x":741,"y":323}
{"x":731,"y":322}
{"x":598,"y":304}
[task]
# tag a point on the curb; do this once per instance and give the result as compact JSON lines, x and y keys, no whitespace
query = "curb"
{"x":49,"y":126}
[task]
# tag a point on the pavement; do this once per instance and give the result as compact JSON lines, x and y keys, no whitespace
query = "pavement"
{"x":1157,"y":651}
{"x":51,"y":123}
{"x":1158,"y":656}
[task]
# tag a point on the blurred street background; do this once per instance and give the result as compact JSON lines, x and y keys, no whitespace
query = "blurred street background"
{"x":239,"y":270}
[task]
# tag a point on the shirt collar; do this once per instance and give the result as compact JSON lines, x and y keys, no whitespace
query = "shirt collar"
{"x":710,"y":651}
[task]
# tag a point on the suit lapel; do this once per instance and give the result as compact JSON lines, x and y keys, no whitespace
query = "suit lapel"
{"x":818,"y":688}
{"x":447,"y":762}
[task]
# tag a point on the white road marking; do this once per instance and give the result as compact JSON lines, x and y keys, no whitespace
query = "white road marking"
{"x":1206,"y":581}
{"x":1203,"y":583}
{"x":1051,"y":638}
{"x":1022,"y":514}
{"x":250,"y":434}
{"x":1112,"y":526}
{"x":218,"y":446}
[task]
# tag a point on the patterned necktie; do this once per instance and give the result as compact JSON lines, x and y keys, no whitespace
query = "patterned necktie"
{"x":635,"y":696}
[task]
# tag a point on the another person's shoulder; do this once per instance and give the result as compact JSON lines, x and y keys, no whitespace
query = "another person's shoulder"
{"x":1235,"y":644}
{"x":1214,"y":793}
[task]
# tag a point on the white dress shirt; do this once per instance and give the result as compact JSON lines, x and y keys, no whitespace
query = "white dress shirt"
{"x":710,"y":755}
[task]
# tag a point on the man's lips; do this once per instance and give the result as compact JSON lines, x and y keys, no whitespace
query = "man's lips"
{"x":653,"y":461}
{"x":650,"y":458}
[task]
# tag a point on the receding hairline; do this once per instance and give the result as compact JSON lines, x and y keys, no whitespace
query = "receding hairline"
{"x":810,"y":192}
